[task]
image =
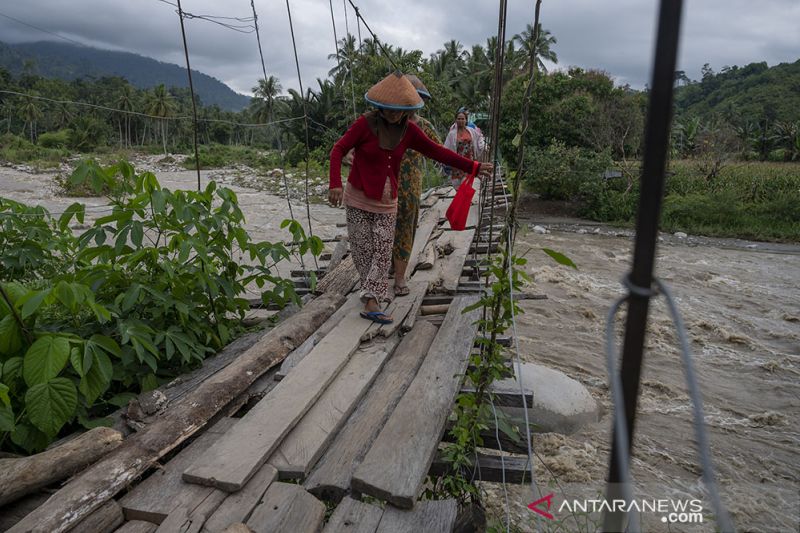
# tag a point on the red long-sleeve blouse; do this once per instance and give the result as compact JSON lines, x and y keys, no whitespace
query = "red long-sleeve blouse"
{"x":373,"y":165}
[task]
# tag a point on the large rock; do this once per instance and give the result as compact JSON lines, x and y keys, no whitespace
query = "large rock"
{"x":560,"y":404}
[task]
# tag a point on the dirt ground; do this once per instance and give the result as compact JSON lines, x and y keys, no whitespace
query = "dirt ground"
{"x":741,"y":304}
{"x":739,"y":300}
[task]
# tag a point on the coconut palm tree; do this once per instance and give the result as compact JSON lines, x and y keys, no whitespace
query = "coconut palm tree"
{"x":162,"y":105}
{"x":125,"y":103}
{"x":265,"y":100}
{"x":542,"y":48}
{"x":30,"y":112}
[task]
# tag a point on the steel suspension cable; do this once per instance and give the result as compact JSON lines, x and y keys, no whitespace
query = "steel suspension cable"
{"x":191,"y":91}
{"x":374,"y":37}
{"x":305,"y":121}
{"x":350,"y":61}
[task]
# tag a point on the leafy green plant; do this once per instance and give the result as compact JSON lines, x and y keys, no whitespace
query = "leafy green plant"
{"x":146,"y":292}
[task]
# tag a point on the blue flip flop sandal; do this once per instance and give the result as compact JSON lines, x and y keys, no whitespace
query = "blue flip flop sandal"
{"x":376,"y":316}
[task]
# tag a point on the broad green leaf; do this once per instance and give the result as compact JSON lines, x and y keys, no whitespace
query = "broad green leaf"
{"x":121,"y":399}
{"x":4,"y":399}
{"x":106,"y":343}
{"x":98,"y":378}
{"x":137,"y":234}
{"x":6,"y":418}
{"x":560,"y":258}
{"x":517,"y":139}
{"x":29,"y":438}
{"x":65,"y":293}
{"x":77,"y":210}
{"x":12,"y":369}
{"x":33,"y":303}
{"x":149,"y":382}
{"x":10,"y":336}
{"x":81,"y":360}
{"x":52,"y":404}
{"x":45,"y":359}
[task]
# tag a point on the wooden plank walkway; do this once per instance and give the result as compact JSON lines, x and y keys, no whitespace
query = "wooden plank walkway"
{"x":360,"y":409}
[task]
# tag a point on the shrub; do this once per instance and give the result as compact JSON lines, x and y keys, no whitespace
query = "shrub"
{"x":55,"y":139}
{"x":145,"y":293}
{"x":561,"y":172}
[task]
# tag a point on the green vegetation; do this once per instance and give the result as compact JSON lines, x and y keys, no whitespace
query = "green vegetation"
{"x":144,"y":294}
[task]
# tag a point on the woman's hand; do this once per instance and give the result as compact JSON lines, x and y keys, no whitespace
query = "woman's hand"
{"x":486,"y":168}
{"x":335,"y":196}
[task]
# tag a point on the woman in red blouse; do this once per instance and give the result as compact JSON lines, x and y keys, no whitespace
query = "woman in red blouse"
{"x":380,"y":138}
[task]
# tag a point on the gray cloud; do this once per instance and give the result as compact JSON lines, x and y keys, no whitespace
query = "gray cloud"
{"x":616,"y":37}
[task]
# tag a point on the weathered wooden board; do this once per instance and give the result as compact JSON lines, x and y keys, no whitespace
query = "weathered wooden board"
{"x":232,"y":460}
{"x":515,"y":468}
{"x":191,"y":517}
{"x":287,"y":508}
{"x":454,"y":263}
{"x":25,"y":475}
{"x":238,"y":506}
{"x":147,"y":500}
{"x":340,"y":280}
{"x":338,"y":252}
{"x":352,"y":305}
{"x":396,"y":473}
{"x":331,"y":476}
{"x":405,"y":305}
{"x":104,"y":519}
{"x":428,"y":221}
{"x":302,"y":447}
{"x":353,"y":516}
{"x":418,"y":296}
{"x":104,"y":479}
{"x":14,"y":512}
{"x":137,"y":526}
{"x":430,"y":516}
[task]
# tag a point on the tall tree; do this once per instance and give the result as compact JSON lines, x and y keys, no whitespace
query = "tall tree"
{"x":543,"y":46}
{"x":162,"y":105}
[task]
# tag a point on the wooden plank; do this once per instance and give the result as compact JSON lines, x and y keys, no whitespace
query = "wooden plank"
{"x":104,"y":519}
{"x":238,"y":507}
{"x":340,"y":280}
{"x":431,"y":516}
{"x":191,"y":517}
{"x":454,"y":264}
{"x":138,"y":453}
{"x":396,"y":473}
{"x":137,"y":526}
{"x":302,"y":447}
{"x":411,"y":317}
{"x":331,"y":476}
{"x":405,"y":305}
{"x":338,"y":253}
{"x":353,"y":516}
{"x":19,"y":509}
{"x":232,"y":460}
{"x":429,"y":220}
{"x":147,"y":500}
{"x":287,"y":508}
{"x":491,"y":468}
{"x":352,"y":305}
{"x":26,"y":475}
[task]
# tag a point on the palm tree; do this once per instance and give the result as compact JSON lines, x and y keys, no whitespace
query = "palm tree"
{"x":30,"y":113}
{"x":542,"y":47}
{"x":346,"y":56}
{"x":265,"y":100}
{"x":125,"y":104}
{"x":162,"y":105}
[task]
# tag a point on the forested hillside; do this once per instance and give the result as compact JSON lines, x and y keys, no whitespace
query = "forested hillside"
{"x":751,"y":93}
{"x":68,"y":62}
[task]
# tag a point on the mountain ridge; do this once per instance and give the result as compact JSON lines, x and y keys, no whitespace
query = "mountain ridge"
{"x":69,"y":62}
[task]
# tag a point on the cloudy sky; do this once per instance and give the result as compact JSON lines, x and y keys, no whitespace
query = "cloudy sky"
{"x":615,"y":36}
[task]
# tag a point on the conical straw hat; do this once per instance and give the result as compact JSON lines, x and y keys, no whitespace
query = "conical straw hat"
{"x":419,"y":86}
{"x":394,"y":92}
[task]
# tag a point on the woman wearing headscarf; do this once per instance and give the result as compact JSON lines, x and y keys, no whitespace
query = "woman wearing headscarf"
{"x":409,"y":188}
{"x":465,"y":141}
{"x":380,"y":139}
